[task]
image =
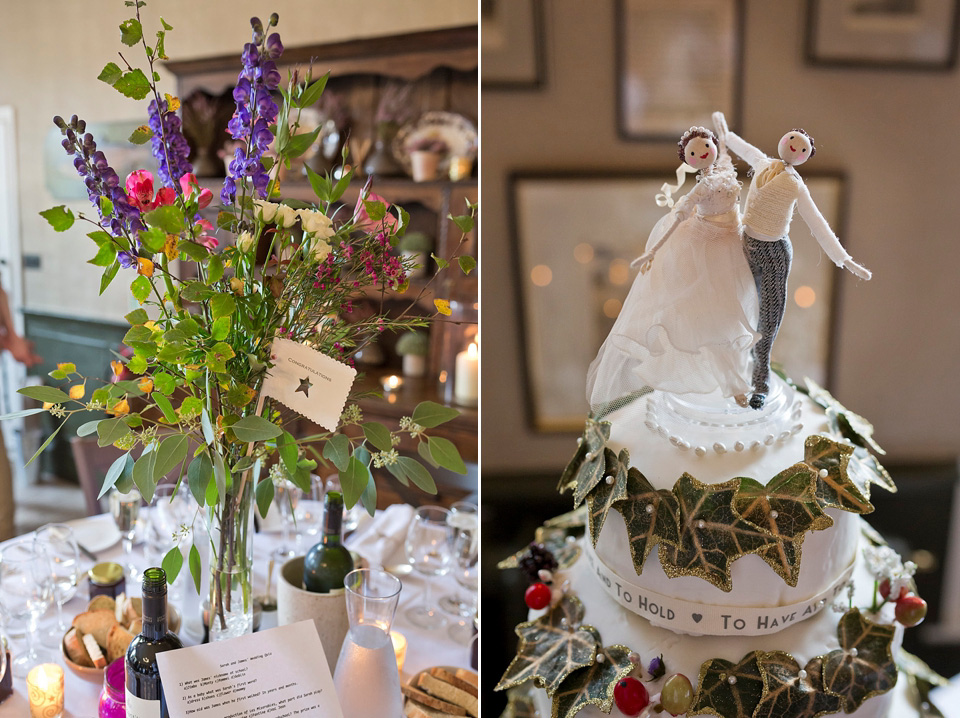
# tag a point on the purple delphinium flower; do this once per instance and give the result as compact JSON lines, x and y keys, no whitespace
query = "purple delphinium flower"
{"x":256,"y":111}
{"x":100,"y":179}
{"x":172,"y":161}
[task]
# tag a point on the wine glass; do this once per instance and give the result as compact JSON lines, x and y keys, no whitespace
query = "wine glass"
{"x":60,"y":546}
{"x":429,"y":548}
{"x":309,"y":515}
{"x":26,"y":588}
{"x":464,"y":517}
{"x":286,"y":495}
{"x":125,"y":507}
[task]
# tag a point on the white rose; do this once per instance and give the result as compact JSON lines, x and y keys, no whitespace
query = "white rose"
{"x":286,"y":215}
{"x":268,"y":210}
{"x":245,"y":242}
{"x":320,"y":249}
{"x":315,"y":222}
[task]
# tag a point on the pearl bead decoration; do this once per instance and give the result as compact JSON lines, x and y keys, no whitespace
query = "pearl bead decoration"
{"x":823,"y":473}
{"x":545,"y":575}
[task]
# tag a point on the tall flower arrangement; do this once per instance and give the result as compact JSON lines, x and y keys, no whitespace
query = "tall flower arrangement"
{"x":202,"y":346}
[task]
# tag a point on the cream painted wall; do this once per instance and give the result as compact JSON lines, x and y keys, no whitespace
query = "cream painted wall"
{"x":53,"y":51}
{"x":898,"y":349}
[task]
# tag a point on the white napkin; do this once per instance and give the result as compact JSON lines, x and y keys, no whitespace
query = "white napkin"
{"x":380,"y":541}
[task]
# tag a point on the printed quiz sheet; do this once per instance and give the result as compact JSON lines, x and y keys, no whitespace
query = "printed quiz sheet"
{"x":280,"y":673}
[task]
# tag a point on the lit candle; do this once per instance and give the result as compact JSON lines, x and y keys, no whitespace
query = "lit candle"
{"x":45,"y":691}
{"x":466,"y":376}
{"x":399,"y":648}
{"x":392,"y":382}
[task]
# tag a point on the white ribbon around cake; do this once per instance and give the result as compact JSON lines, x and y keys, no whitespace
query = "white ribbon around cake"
{"x":709,"y":619}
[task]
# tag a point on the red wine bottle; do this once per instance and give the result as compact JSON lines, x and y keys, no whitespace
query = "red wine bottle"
{"x":144,"y":693}
{"x":327,"y":563}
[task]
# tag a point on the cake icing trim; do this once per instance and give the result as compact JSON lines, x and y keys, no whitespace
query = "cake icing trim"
{"x":704,"y":528}
{"x":682,"y":616}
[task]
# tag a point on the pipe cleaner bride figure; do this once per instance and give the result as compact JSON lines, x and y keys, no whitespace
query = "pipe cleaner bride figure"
{"x":686,"y":326}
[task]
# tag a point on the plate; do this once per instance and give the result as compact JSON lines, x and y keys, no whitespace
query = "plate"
{"x":96,"y":533}
{"x":456,"y":131}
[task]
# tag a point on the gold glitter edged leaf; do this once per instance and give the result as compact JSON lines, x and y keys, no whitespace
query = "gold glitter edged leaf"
{"x":863,"y":666}
{"x":594,"y":438}
{"x":593,"y":684}
{"x":575,"y":519}
{"x":786,"y":694}
{"x":865,"y":470}
{"x":837,"y":489}
{"x":602,"y":498}
{"x":716,"y":695}
{"x":650,"y":516}
{"x":520,"y":703}
{"x":787,"y":506}
{"x":559,"y":542}
{"x":712,"y":535}
{"x":552,"y":647}
{"x":784,"y":558}
{"x":844,"y":422}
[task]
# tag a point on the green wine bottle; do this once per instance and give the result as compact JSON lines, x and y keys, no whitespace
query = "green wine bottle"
{"x":327,"y":563}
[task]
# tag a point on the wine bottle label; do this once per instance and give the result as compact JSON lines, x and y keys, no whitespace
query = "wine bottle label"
{"x":139,"y":708}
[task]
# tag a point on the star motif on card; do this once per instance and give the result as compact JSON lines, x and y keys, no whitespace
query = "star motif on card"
{"x":305,"y":385}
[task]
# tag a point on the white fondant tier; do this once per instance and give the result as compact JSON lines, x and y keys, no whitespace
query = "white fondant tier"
{"x":685,"y":654}
{"x":826,"y":554}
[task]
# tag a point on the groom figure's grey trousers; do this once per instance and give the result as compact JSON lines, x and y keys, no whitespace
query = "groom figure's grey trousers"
{"x":770,"y":264}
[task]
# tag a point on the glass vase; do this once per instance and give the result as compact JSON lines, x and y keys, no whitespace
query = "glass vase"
{"x":229,"y":525}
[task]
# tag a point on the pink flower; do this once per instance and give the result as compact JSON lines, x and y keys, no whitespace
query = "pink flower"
{"x":139,"y":186}
{"x":190,"y":185}
{"x":362,"y":220}
{"x":205,"y":239}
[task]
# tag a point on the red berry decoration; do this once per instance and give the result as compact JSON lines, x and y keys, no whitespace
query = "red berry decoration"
{"x":885,"y":590}
{"x":911,"y":610}
{"x":631,"y":696}
{"x":537,"y":596}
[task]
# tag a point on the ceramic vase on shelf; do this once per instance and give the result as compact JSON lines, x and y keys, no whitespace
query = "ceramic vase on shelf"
{"x":380,"y":161}
{"x":425,"y":165}
{"x":230,"y":525}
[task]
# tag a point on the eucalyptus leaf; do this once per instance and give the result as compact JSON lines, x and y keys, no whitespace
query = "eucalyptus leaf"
{"x":354,"y":481}
{"x":110,"y":431}
{"x":144,"y":474}
{"x":194,"y":561}
{"x":418,"y":474}
{"x":337,"y":450}
{"x":199,"y":473}
{"x":255,"y":428}
{"x":430,"y":414}
{"x":113,"y":473}
{"x":172,"y":563}
{"x":264,"y":495}
{"x":445,"y":453}
{"x":378,"y":435}
{"x":48,"y":394}
{"x":170,"y":454}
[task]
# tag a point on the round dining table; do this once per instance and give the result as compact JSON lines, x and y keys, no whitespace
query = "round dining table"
{"x":98,"y":534}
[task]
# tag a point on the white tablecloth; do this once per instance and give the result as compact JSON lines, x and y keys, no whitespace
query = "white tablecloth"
{"x":424,"y":648}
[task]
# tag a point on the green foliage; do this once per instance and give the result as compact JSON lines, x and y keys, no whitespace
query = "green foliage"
{"x":172,"y":563}
{"x":133,"y":84}
{"x":169,"y":218}
{"x":47,"y":394}
{"x":130,"y":32}
{"x":445,"y":453}
{"x":59,"y":217}
{"x":256,"y":428}
{"x":430,"y":414}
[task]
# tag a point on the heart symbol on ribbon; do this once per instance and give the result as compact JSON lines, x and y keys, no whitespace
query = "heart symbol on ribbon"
{"x":697,"y":617}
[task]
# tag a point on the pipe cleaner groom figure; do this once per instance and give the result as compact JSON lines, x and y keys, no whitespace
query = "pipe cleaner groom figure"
{"x":775,"y":190}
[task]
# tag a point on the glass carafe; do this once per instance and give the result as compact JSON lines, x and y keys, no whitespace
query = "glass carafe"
{"x":366,"y":679}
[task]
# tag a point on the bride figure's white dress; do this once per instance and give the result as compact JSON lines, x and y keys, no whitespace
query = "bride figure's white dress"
{"x":687,"y":325}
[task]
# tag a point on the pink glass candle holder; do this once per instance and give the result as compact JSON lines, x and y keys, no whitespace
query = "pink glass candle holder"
{"x":112,"y":698}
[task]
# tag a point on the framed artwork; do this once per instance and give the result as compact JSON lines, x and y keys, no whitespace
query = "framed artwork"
{"x":575,"y":236}
{"x":511,"y":44}
{"x":677,"y":62}
{"x":896,"y":34}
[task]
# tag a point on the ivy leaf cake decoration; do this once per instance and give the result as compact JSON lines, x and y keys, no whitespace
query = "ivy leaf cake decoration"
{"x":575,"y":519}
{"x":552,"y":647}
{"x":597,"y":462}
{"x":593,"y":684}
{"x":588,"y":462}
{"x":789,"y":692}
{"x":608,"y":492}
{"x":865,"y":470}
{"x":650,"y":515}
{"x":729,"y":690}
{"x":787,"y":506}
{"x":712,"y":535}
{"x":837,"y":489}
{"x":863,"y":666}
{"x":844,"y":422}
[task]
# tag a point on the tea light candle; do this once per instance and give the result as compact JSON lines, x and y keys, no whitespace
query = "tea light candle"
{"x":45,"y":691}
{"x":399,"y":648}
{"x":466,"y":383}
{"x":392,"y":382}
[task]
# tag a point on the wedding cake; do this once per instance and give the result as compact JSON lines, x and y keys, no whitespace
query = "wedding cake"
{"x":716,"y":561}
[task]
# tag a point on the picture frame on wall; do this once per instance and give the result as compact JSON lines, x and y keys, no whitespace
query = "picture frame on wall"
{"x":892,"y":34}
{"x":572,"y":279}
{"x":511,"y":44}
{"x":677,"y":62}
